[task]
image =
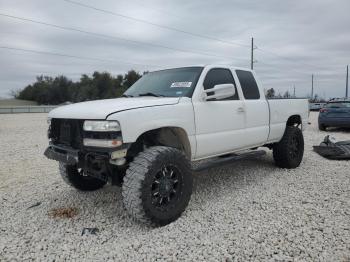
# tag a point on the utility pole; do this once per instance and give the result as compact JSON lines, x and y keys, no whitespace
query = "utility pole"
{"x":294,"y":91}
{"x":347,"y":81}
{"x":252,"y":55}
{"x":312,"y":86}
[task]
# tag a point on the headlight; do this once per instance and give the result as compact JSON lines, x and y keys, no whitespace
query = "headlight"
{"x":101,"y":126}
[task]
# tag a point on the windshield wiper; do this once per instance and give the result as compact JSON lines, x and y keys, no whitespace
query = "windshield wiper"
{"x":127,"y":95}
{"x":150,"y":94}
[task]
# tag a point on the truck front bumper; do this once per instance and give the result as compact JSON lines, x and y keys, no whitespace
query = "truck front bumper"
{"x":62,"y":153}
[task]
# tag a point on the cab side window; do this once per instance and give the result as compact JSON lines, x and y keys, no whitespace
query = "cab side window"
{"x":217,"y":76}
{"x":249,"y":86}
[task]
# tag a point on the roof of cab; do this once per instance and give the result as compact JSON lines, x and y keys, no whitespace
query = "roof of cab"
{"x":207,"y":65}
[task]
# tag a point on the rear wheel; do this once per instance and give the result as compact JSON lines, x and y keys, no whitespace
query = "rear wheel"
{"x":158,"y":185}
{"x":76,"y":178}
{"x":289,"y":152}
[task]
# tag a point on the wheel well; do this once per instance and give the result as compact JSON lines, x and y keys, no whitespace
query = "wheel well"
{"x":166,"y":136}
{"x":294,"y":120}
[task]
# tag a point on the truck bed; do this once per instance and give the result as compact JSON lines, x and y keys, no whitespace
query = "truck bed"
{"x":281,"y":110}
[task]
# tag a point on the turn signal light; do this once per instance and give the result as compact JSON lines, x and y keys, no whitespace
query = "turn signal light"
{"x":102,"y":142}
{"x":323,"y":110}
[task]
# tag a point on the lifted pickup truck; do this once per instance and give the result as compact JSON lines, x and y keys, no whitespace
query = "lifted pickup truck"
{"x":147,"y":140}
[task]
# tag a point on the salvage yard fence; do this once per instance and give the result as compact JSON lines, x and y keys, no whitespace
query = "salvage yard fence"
{"x":25,"y":109}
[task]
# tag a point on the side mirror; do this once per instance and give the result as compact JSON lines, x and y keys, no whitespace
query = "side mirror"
{"x":220,"y":92}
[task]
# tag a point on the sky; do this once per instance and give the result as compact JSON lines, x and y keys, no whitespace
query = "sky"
{"x":293,"y":39}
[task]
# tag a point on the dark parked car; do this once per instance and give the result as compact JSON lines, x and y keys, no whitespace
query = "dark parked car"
{"x":336,"y":113}
{"x":316,"y":106}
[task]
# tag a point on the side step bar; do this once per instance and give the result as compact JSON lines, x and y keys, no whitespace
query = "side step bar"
{"x":221,"y":161}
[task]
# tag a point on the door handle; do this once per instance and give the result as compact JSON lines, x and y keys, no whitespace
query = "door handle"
{"x":240,"y":109}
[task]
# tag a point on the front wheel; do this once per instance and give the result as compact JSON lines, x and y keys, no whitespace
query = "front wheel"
{"x":289,"y":152}
{"x":158,"y":185}
{"x":78,"y":179}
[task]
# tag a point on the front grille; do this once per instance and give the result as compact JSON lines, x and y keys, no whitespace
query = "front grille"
{"x":67,"y":132}
{"x":70,"y":132}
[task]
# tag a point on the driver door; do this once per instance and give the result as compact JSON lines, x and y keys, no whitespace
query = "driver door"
{"x":220,"y":124}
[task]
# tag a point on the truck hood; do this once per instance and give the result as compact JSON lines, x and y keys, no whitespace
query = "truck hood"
{"x":100,"y":109}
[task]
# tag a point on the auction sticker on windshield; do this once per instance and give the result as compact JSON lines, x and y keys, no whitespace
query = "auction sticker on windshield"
{"x":181,"y":84}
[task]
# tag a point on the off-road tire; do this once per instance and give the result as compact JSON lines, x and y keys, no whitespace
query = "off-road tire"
{"x":139,"y":185}
{"x":288,"y":153}
{"x":322,"y":127}
{"x":72,"y":177}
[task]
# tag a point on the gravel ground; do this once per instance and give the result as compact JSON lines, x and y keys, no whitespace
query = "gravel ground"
{"x":249,"y":211}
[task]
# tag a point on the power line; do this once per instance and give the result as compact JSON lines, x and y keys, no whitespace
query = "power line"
{"x":297,"y":71}
{"x":276,"y":55}
{"x":112,"y":37}
{"x":347,"y":82}
{"x":161,"y":10}
{"x":154,"y":24}
{"x":280,"y":69}
{"x":286,"y":58}
{"x":252,"y":61}
{"x":179,"y":30}
{"x":72,"y":56}
{"x":182,"y":31}
{"x":312,"y":86}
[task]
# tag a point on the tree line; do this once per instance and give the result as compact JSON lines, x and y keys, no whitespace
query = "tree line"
{"x":271,"y":93}
{"x":48,"y":90}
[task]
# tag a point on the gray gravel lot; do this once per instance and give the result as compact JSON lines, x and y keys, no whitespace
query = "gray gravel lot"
{"x":249,"y":211}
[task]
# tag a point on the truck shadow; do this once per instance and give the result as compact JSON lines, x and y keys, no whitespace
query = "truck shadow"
{"x":239,"y":175}
{"x":105,"y":205}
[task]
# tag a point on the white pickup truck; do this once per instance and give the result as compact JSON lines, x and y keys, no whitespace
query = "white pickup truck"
{"x":147,"y":140}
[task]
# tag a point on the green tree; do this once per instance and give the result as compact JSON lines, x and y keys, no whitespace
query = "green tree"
{"x":101,"y":85}
{"x":287,"y":94}
{"x":270,"y":93}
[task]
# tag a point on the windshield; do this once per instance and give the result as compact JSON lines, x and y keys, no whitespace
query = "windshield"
{"x":176,"y":82}
{"x":344,"y":104}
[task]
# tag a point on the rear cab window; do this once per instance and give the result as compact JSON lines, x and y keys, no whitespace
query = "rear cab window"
{"x":249,"y":86}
